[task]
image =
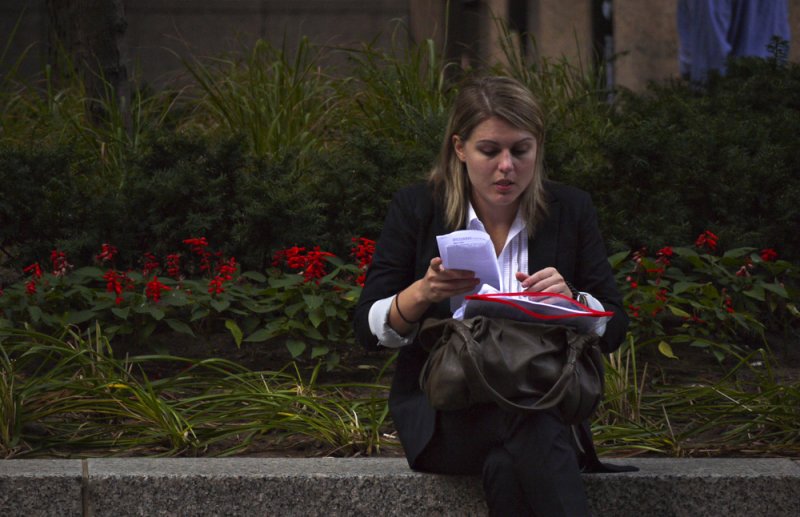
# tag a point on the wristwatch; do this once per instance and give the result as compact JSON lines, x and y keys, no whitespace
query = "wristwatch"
{"x":573,"y":290}
{"x":576,"y":295}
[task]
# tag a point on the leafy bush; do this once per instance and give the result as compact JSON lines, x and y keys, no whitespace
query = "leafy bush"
{"x":196,"y":185}
{"x":282,"y":105}
{"x":683,"y":160}
{"x":195,"y":292}
{"x":354,"y":183}
{"x":49,"y":201}
{"x":694,"y":297}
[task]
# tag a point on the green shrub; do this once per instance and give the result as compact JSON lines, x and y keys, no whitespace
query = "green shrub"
{"x":278,"y":99}
{"x":355,"y":182}
{"x":683,"y":160}
{"x":49,"y":201}
{"x":726,"y":303}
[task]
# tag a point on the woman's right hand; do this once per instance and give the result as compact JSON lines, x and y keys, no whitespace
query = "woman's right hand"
{"x":437,"y":285}
{"x":440,"y":284}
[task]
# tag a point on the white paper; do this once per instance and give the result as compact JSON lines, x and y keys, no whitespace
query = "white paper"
{"x":471,"y":250}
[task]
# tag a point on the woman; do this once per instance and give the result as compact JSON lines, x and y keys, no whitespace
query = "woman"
{"x":488,"y":177}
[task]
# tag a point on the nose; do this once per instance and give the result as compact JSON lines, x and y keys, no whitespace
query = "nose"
{"x":505,"y":164}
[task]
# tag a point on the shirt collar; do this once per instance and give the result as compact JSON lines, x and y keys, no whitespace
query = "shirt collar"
{"x":473,"y":223}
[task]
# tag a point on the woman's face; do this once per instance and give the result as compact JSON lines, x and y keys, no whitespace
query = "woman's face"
{"x":500,"y":161}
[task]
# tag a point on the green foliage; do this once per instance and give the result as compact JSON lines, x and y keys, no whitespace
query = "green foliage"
{"x":683,"y":160}
{"x":747,"y":410}
{"x":309,"y":316}
{"x":49,"y":202}
{"x":354,"y":183}
{"x":401,"y":95}
{"x":69,"y":394}
{"x":282,"y":105}
{"x":189,"y":184}
{"x":725,"y":304}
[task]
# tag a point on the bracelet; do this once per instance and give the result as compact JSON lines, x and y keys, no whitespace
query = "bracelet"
{"x":397,"y":306}
{"x":575,"y":292}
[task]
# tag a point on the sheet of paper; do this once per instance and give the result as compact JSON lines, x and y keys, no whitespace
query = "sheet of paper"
{"x":471,"y":250}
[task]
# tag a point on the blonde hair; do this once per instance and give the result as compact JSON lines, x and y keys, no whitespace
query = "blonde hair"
{"x":477,"y":101}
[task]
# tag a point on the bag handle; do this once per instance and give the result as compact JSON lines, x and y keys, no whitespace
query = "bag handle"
{"x":549,"y":400}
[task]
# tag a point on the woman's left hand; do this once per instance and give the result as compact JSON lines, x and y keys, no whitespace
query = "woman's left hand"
{"x":547,"y":280}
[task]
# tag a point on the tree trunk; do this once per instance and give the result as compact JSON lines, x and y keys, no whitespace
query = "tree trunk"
{"x":87,"y":33}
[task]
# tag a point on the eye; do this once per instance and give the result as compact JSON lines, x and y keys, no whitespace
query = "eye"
{"x":488,"y":151}
{"x":520,"y":151}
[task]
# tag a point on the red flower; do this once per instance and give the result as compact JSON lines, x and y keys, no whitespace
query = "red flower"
{"x":114,"y":284}
{"x":312,"y":263}
{"x":707,"y":239}
{"x":154,"y":288}
{"x":294,"y":257}
{"x":315,"y":264}
{"x":199,"y":245}
{"x":226,"y":269}
{"x":363,"y":250}
{"x":664,"y":255}
{"x":174,"y":265}
{"x":34,"y":269}
{"x":661,"y":296}
{"x":150,"y":264}
{"x":58,"y":259}
{"x":107,"y":253}
{"x":36,"y":273}
{"x":728,"y":303}
{"x":634,"y":310}
{"x":215,"y":286}
{"x":769,"y":255}
{"x":225,"y":272}
{"x":634,"y":285}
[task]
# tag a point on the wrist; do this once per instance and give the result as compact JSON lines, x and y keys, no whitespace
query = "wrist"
{"x":573,"y":290}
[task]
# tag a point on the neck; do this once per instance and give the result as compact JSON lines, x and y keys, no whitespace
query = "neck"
{"x":497,"y":223}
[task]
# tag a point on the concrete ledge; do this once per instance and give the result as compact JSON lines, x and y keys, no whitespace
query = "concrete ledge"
{"x":41,"y":487}
{"x":374,"y":486}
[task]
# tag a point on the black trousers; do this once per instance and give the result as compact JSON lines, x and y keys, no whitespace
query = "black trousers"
{"x":527,"y":462}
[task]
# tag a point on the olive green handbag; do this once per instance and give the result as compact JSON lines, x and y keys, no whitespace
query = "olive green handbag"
{"x":520,"y":365}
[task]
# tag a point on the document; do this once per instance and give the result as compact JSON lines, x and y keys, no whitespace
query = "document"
{"x":471,"y":250}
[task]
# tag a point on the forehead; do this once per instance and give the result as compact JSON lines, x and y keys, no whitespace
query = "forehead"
{"x":496,"y":129}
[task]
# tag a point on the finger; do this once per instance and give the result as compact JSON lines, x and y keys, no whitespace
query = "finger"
{"x":545,"y":280}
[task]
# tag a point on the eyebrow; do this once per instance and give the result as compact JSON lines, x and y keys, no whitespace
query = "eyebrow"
{"x":489,"y":141}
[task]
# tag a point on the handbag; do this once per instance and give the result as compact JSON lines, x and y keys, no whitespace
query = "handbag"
{"x":521,"y":365}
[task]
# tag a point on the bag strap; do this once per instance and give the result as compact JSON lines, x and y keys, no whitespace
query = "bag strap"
{"x":549,"y":400}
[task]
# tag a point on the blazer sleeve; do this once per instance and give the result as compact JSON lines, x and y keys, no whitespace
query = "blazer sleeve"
{"x":393,"y":266}
{"x":593,"y":274}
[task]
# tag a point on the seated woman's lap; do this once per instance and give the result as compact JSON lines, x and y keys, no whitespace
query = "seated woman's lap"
{"x":464,"y":438}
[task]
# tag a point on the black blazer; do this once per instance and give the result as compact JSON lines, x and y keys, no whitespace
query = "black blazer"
{"x":568,"y":239}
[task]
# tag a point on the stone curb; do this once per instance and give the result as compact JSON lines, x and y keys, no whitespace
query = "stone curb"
{"x":374,"y":486}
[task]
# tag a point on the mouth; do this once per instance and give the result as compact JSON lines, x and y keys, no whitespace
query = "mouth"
{"x":503,"y":185}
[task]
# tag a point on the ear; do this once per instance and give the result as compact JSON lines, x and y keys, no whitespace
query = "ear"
{"x":458,"y":147}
